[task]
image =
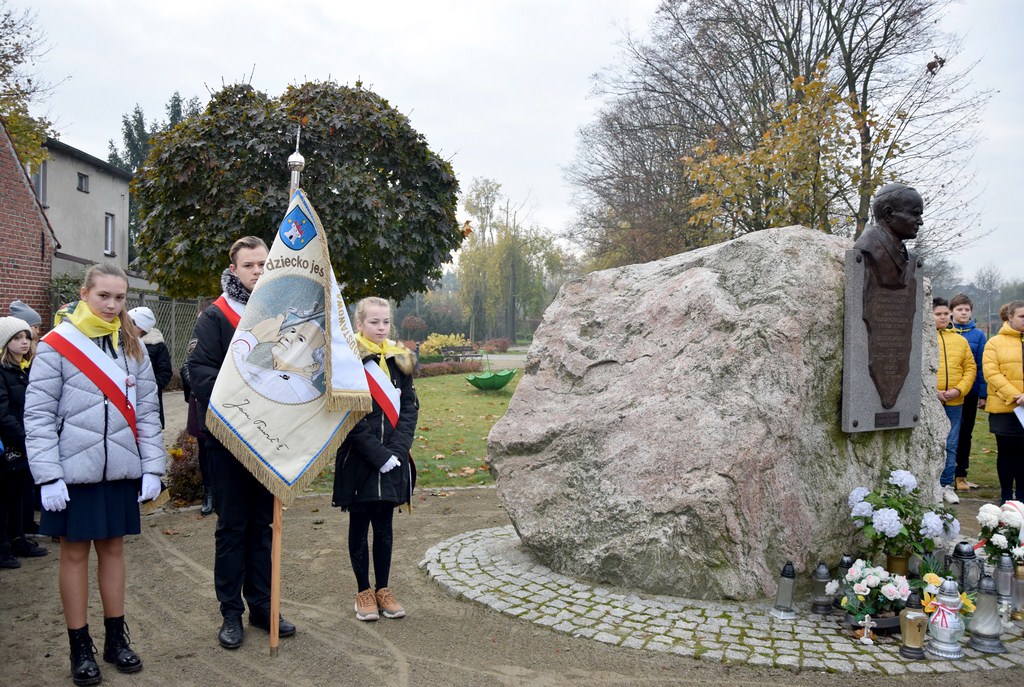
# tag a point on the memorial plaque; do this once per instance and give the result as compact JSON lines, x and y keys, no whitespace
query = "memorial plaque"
{"x":881,"y":362}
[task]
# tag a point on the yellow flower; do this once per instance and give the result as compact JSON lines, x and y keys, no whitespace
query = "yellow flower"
{"x":929,"y":603}
{"x":968,"y":604}
{"x":843,"y":602}
{"x":932,"y":578}
{"x":860,"y":598}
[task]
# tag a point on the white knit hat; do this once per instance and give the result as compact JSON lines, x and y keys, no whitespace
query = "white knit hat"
{"x":9,"y":326}
{"x":143,"y":318}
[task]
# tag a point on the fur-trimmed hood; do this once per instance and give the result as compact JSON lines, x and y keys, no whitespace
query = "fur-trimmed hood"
{"x":153,"y":336}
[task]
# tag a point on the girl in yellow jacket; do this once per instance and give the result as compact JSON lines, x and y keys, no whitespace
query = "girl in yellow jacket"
{"x":957,"y":371}
{"x":1003,"y":363}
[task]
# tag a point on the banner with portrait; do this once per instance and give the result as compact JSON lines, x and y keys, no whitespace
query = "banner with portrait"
{"x":292,"y":385}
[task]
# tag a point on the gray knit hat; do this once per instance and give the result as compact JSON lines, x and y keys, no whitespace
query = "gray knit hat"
{"x":9,"y":326}
{"x":23,"y":312}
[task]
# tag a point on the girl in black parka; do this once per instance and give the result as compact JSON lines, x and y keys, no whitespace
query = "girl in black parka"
{"x":374,"y":471}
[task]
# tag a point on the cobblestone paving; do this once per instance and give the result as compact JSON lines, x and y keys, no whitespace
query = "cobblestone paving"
{"x":492,"y":568}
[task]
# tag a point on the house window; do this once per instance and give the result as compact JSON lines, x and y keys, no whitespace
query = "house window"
{"x":83,"y":182}
{"x":39,"y":183}
{"x":108,"y":235}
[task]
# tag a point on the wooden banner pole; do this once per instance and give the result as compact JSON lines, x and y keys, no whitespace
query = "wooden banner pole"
{"x":275,"y":578}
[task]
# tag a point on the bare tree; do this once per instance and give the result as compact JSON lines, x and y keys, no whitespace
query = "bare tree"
{"x":717,"y":70}
{"x":989,"y":280}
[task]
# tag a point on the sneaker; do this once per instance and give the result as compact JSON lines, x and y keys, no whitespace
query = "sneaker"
{"x":960,"y":484}
{"x":9,"y":562}
{"x":949,"y":495}
{"x":366,"y":605}
{"x":388,"y":605}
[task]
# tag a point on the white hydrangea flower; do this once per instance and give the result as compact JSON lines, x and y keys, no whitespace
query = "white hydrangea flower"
{"x":857,"y":496}
{"x":931,"y":525}
{"x":887,"y":521}
{"x":903,"y":479}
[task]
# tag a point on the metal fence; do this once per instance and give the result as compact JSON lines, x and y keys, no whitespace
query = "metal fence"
{"x":174,"y":318}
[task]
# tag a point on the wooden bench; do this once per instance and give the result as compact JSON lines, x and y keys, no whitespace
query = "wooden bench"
{"x":460,"y":353}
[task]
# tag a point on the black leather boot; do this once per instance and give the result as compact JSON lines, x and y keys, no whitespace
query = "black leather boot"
{"x":207,"y":507}
{"x":115,"y":646}
{"x":84,"y":670}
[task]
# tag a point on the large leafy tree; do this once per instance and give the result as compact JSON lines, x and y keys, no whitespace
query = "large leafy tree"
{"x":21,"y":44}
{"x":386,"y":200}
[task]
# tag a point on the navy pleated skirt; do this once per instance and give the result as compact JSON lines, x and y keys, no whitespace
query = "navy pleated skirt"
{"x":96,"y":511}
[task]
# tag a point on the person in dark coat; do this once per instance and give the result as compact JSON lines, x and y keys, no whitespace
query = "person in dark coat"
{"x":374,"y":472}
{"x":159,"y":356}
{"x":15,"y":347}
{"x":245,"y":509}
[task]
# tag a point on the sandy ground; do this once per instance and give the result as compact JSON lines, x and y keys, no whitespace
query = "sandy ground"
{"x":173,"y":616}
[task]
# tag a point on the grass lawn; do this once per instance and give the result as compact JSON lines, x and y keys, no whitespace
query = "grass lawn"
{"x":451,"y":435}
{"x":982,"y":469}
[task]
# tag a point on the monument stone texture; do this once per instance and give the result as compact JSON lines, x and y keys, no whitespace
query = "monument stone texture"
{"x":677,"y":429}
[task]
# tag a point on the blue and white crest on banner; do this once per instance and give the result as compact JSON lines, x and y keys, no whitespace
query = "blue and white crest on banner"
{"x":297,"y":230}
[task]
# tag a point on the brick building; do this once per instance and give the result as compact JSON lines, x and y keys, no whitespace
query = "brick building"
{"x":28,"y":241}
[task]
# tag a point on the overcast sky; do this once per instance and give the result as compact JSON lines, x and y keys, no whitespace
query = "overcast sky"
{"x":497,"y":87}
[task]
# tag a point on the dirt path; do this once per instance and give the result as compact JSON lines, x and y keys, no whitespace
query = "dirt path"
{"x":173,"y":616}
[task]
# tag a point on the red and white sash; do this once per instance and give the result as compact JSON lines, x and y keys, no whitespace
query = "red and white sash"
{"x":112,"y":381}
{"x":383,"y":391}
{"x":225,"y":307}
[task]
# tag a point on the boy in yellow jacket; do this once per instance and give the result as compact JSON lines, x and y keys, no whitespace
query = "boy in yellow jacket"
{"x":957,"y":371}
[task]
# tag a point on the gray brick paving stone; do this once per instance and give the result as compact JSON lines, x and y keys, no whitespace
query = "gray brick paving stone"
{"x":839,"y":666}
{"x":893,"y":668}
{"x":633,"y":642}
{"x":921,"y":667}
{"x":607,"y":638}
{"x":472,"y":566}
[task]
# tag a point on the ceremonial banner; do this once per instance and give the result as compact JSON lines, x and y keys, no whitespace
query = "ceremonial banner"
{"x":292,"y":385}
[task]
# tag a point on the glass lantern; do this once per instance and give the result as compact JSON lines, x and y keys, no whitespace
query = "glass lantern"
{"x":783,"y":608}
{"x":966,"y":567}
{"x":913,"y":625}
{"x":1017,"y":607}
{"x":987,"y":626}
{"x":821,"y":603}
{"x":1004,"y":579}
{"x":946,"y":627}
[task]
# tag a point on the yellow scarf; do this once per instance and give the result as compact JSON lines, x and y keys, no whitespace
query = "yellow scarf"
{"x":24,"y":364}
{"x":88,"y":323}
{"x":383,"y":350}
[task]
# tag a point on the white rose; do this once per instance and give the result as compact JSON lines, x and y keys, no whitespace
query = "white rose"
{"x":832,"y":587}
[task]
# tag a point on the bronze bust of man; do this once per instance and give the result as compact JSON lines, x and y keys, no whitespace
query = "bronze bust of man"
{"x":890,"y":286}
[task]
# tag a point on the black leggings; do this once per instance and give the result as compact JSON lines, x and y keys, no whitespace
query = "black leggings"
{"x":1010,"y":465}
{"x":379,"y":515}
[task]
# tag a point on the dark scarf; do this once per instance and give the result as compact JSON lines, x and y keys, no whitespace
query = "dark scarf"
{"x":232,"y":286}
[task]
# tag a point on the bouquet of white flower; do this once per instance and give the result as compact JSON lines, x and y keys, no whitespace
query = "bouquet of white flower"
{"x":895,"y":521}
{"x":1001,"y":530}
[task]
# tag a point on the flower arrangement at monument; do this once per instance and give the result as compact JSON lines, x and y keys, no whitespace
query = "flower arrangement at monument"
{"x":872,"y":590}
{"x":896,"y":522}
{"x":1001,"y":530}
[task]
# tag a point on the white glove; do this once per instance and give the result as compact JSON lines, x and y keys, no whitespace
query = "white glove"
{"x":54,"y":496}
{"x":150,"y":487}
{"x":390,"y":465}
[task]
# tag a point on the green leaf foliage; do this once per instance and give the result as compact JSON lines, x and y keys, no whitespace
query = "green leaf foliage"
{"x":387,"y":202}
